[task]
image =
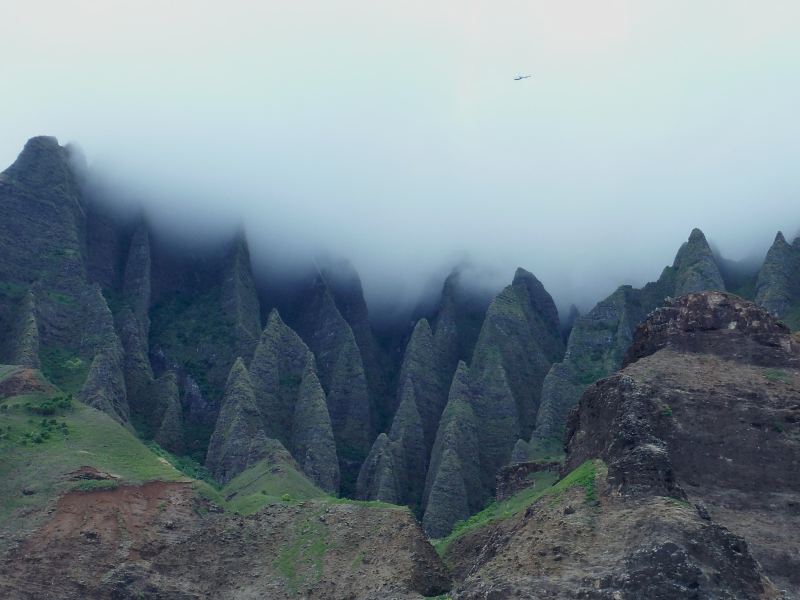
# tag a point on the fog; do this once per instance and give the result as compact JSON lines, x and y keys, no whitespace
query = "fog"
{"x":394,"y":134}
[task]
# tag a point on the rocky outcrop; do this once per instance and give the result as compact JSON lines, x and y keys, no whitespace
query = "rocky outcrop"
{"x":59,"y":318}
{"x":290,"y":402}
{"x":313,"y":445}
{"x":695,"y":267}
{"x":239,"y":300}
{"x":459,"y":436}
{"x":778,"y":283}
{"x":674,"y":486}
{"x":599,"y":340}
{"x":161,"y":539}
{"x":168,"y":413}
{"x":522,"y":332}
{"x":238,"y":440}
{"x":705,"y":410}
{"x":394,"y":470}
{"x":341,"y":372}
{"x":422,"y":369}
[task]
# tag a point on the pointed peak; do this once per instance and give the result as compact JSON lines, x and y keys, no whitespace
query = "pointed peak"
{"x":274,"y":319}
{"x":779,"y":239}
{"x":42,"y":162}
{"x":238,"y":369}
{"x":697,"y":236}
{"x":523,"y":275}
{"x":422,"y":328}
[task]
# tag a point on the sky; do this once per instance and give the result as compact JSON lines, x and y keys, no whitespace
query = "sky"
{"x":394,"y":134}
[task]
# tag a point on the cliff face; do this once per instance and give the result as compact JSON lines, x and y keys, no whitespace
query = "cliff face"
{"x":599,"y":340}
{"x":679,"y":475}
{"x":50,"y":313}
{"x":778,"y":283}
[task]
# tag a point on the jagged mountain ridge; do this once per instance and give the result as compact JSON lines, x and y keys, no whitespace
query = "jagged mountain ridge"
{"x":167,"y":327}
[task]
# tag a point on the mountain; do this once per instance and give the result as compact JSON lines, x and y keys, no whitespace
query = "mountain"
{"x":175,"y":423}
{"x":778,"y":283}
{"x":599,"y":339}
{"x":678,"y":480}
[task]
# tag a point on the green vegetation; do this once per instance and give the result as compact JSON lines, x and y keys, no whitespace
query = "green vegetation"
{"x":776,"y":375}
{"x":300,"y":562}
{"x":792,"y":317}
{"x":64,"y":368}
{"x":38,"y":455}
{"x":92,"y":485}
{"x":584,"y":477}
{"x":51,"y":406}
{"x":548,"y":449}
{"x":267,"y":483}
{"x":666,"y":411}
{"x":185,"y":464}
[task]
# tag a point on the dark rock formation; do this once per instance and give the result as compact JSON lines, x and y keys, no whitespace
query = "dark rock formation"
{"x":517,"y":477}
{"x":422,"y":369}
{"x":458,"y":436}
{"x":168,"y":411}
{"x":695,"y":495}
{"x":394,"y":470}
{"x":341,"y":372}
{"x":522,"y":331}
{"x":239,"y":439}
{"x":778,"y":283}
{"x":313,"y":445}
{"x":599,"y":340}
{"x":48,"y":308}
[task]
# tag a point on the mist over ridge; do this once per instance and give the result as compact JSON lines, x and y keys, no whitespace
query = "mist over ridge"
{"x":397,"y":138}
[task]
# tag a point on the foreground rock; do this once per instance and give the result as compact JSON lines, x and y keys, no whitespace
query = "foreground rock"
{"x":687,"y":480}
{"x":160,"y":540}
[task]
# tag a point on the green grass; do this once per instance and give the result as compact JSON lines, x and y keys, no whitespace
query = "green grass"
{"x":64,"y":368}
{"x":266,"y":483}
{"x":300,"y":561}
{"x":82,"y":436}
{"x":776,"y":375}
{"x":583,"y":476}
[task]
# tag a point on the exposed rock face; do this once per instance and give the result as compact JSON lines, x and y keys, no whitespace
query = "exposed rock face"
{"x":715,"y":323}
{"x":422,"y":369}
{"x":345,"y":287}
{"x":522,"y":331}
{"x":239,"y":299}
{"x":706,"y":409}
{"x":341,"y":372}
{"x":458,"y":435}
{"x":697,"y":490}
{"x":49,"y":312}
{"x":239,"y":439}
{"x":289,"y":403}
{"x":168,"y":413}
{"x":778,"y":284}
{"x":457,"y":323}
{"x":394,"y":470}
{"x":313,"y":445}
{"x":161,"y":540}
{"x":695,"y":267}
{"x":599,"y":340}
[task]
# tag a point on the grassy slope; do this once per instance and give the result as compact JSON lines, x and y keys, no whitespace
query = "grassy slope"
{"x":545,"y":486}
{"x":33,"y":474}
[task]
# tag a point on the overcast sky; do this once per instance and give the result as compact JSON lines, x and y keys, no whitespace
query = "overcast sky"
{"x":394,"y":134}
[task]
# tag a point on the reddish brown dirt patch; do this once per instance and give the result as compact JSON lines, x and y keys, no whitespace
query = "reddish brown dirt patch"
{"x":23,"y":381}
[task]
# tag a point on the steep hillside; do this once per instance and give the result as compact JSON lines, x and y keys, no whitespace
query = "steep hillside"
{"x":683,"y":479}
{"x":87,"y":510}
